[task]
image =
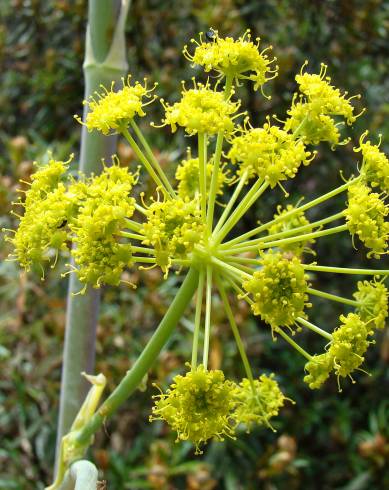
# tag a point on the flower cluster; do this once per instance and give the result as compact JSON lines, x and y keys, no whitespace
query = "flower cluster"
{"x":365,"y":216}
{"x":187,"y":175}
{"x":203,"y":405}
{"x":373,"y":299}
{"x":375,"y":166}
{"x":312,"y":111}
{"x":269,"y":153}
{"x":279,"y":289}
{"x":236,"y":59}
{"x":284,"y":226}
{"x":99,"y":256}
{"x":110,"y":111}
{"x":172,"y":227}
{"x":201,"y":110}
{"x":48,"y":208}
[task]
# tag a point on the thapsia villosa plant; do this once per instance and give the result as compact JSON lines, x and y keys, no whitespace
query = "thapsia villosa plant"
{"x":180,"y":230}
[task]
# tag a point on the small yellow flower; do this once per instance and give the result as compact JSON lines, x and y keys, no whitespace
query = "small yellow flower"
{"x":239,"y":59}
{"x":319,"y":369}
{"x":349,"y":344}
{"x":258,"y":406}
{"x":172,"y":227}
{"x":110,"y":111}
{"x":365,"y":216}
{"x":201,"y":110}
{"x":198,"y":406}
{"x":375,"y":166}
{"x":269,"y":153}
{"x":48,"y":208}
{"x":187,"y":174}
{"x":291,"y":223}
{"x":278,"y":289}
{"x":373,"y":299}
{"x":99,"y":256}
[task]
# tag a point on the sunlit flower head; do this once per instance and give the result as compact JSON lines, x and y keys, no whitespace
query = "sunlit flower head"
{"x":373,"y":299}
{"x":201,"y":110}
{"x":278,"y":289}
{"x":366,"y":214}
{"x":319,"y":369}
{"x":187,"y":175}
{"x":110,"y":111}
{"x":269,"y":153}
{"x":236,"y":58}
{"x":375,"y":165}
{"x":257,"y":406}
{"x":198,"y":406}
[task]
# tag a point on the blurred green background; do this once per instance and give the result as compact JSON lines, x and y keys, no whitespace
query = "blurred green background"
{"x":328,"y":440}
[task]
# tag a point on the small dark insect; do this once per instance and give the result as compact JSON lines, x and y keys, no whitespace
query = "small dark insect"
{"x":63,"y":224}
{"x":210,"y":35}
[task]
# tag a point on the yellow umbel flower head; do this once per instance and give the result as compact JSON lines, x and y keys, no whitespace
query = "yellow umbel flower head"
{"x":373,"y":299}
{"x":319,"y":369}
{"x":187,"y":174}
{"x":278,"y":289}
{"x":110,"y":111}
{"x":258,"y":406}
{"x":48,"y":208}
{"x":295,"y":221}
{"x":237,"y":59}
{"x":201,"y":110}
{"x":375,"y":166}
{"x":349,"y":344}
{"x":269,"y":153}
{"x":314,"y":128}
{"x":365,"y":216}
{"x":172,"y":227}
{"x":99,"y":256}
{"x":312,"y":111}
{"x":198,"y":406}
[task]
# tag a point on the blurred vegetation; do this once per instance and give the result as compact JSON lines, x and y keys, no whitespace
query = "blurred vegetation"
{"x":328,"y":440}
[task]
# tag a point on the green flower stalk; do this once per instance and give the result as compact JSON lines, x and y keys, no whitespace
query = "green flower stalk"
{"x":188,"y":227}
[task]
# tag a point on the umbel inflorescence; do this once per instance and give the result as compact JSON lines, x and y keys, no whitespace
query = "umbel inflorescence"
{"x":190,"y":223}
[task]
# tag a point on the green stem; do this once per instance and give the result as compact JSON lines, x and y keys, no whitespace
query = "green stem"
{"x":105,"y":61}
{"x":224,"y":265}
{"x":199,"y":305}
{"x":293,"y":343}
{"x":345,"y":270}
{"x":135,"y":375}
{"x":251,"y":197}
{"x":152,"y":158}
{"x":235,"y":331}
{"x":142,"y":158}
{"x":292,"y":212}
{"x":208,"y":309}
{"x":133,"y":225}
{"x":231,"y":202}
{"x":333,"y":297}
{"x":134,"y":236}
{"x":314,"y":328}
{"x":202,"y":151}
{"x":301,"y":238}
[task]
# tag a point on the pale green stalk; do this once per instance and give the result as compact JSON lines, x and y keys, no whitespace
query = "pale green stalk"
{"x":235,"y":331}
{"x":291,"y":213}
{"x":333,"y":297}
{"x":199,"y":305}
{"x":293,"y":343}
{"x":314,"y":328}
{"x":105,"y":61}
{"x":152,"y":158}
{"x":208,"y":309}
{"x":202,"y":152}
{"x":346,"y":270}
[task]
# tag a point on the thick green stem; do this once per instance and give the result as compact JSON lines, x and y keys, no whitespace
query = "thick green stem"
{"x":293,"y":343}
{"x":208,"y":309}
{"x":105,"y":61}
{"x":135,"y":375}
{"x":199,"y":305}
{"x":202,"y":152}
{"x":314,"y":328}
